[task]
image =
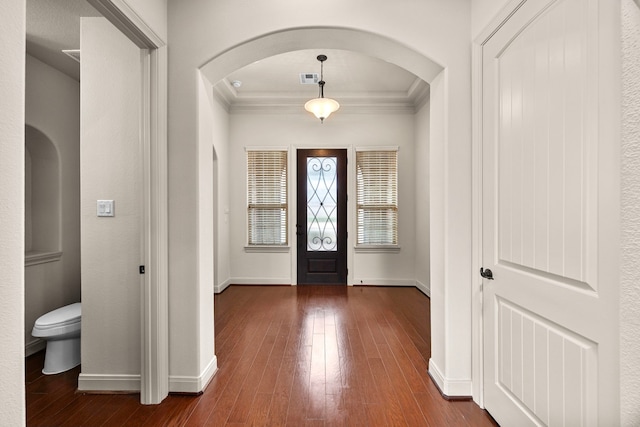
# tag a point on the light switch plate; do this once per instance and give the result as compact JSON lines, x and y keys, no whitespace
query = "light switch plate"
{"x":106,"y":208}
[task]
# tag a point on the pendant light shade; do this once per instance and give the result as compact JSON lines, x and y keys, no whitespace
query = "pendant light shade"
{"x":321,"y":107}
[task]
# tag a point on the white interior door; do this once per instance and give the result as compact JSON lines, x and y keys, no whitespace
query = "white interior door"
{"x":549,"y":234}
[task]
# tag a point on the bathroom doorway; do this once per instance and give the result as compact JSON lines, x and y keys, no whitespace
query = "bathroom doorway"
{"x":139,"y":209}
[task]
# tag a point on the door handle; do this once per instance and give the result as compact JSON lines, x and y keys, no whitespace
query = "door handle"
{"x":487,"y":274}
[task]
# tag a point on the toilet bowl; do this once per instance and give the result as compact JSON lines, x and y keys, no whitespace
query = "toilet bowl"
{"x":61,"y":330}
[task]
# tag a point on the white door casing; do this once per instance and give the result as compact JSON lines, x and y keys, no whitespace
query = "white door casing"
{"x":549,"y":214}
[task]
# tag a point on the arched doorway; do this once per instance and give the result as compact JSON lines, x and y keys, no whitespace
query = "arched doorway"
{"x":391,"y":51}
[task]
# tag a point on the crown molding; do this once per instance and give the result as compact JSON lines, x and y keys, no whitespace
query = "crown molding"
{"x":293,"y":108}
{"x":350,"y":103}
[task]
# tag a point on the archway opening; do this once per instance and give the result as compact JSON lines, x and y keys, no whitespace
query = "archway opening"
{"x":366,"y":43}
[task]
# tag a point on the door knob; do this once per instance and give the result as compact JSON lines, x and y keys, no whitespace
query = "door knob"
{"x":487,"y":274}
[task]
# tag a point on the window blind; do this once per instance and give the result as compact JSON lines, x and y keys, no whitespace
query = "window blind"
{"x":267,"y":197}
{"x":377,"y":197}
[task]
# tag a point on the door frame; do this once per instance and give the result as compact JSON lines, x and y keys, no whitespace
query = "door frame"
{"x":341,"y":215}
{"x":154,"y":309}
{"x":477,"y":320}
{"x":293,"y":201}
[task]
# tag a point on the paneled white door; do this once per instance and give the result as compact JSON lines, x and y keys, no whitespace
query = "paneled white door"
{"x":550,"y":316}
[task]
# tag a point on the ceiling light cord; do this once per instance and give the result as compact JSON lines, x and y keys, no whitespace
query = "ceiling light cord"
{"x":321,"y":58}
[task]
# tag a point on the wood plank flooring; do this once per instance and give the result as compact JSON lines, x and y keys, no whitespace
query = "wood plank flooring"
{"x":287,"y":356}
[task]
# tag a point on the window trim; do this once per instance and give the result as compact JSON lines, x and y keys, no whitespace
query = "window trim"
{"x":267,"y":248}
{"x":373,"y":249}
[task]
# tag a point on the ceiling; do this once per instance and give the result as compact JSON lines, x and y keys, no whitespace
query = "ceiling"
{"x":54,"y":25}
{"x":353,"y":79}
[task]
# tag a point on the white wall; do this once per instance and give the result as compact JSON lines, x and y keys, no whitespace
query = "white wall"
{"x":483,"y":12}
{"x":437,"y":249}
{"x":630,"y":223}
{"x":213,"y":235}
{"x":53,"y":108}
{"x":201,"y":30}
{"x":12,"y":86}
{"x":422,"y":229}
{"x":206,"y":225}
{"x":110,"y":169}
{"x":342,"y":130}
{"x":221,"y":182}
{"x":214,"y":183}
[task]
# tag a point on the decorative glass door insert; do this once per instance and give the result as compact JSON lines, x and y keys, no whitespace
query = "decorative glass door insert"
{"x":322,"y":204}
{"x":321,"y":216}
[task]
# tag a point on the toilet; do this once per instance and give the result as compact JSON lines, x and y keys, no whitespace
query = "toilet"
{"x":61,"y":330}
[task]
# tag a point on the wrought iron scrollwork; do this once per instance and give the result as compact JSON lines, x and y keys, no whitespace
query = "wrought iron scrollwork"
{"x":322,"y":204}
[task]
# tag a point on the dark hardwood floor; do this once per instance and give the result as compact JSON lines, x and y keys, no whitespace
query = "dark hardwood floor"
{"x":294,"y":356}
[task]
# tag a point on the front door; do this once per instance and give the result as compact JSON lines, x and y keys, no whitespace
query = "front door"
{"x":549,"y":218}
{"x":321,"y":228}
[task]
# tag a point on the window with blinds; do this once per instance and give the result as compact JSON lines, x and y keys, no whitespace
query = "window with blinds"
{"x":377,"y":197}
{"x":267,"y":197}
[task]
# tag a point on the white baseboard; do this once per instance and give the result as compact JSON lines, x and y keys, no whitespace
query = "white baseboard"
{"x":449,"y":387}
{"x":187,"y":384}
{"x":260,"y":281}
{"x":425,"y":289}
{"x":34,"y":346}
{"x":221,"y":286}
{"x":108,"y":382}
{"x":384,"y":282}
{"x":436,"y":375}
{"x":177,"y":384}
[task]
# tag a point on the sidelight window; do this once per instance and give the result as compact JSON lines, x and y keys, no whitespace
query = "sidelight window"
{"x":377,"y":197}
{"x":267,"y":205}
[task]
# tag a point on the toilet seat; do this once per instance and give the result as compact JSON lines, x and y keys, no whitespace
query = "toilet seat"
{"x":62,"y":321}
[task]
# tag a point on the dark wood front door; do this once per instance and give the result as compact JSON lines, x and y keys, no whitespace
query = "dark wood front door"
{"x":321,"y":228}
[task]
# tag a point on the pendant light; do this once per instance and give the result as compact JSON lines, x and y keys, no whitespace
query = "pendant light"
{"x":321,"y":107}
